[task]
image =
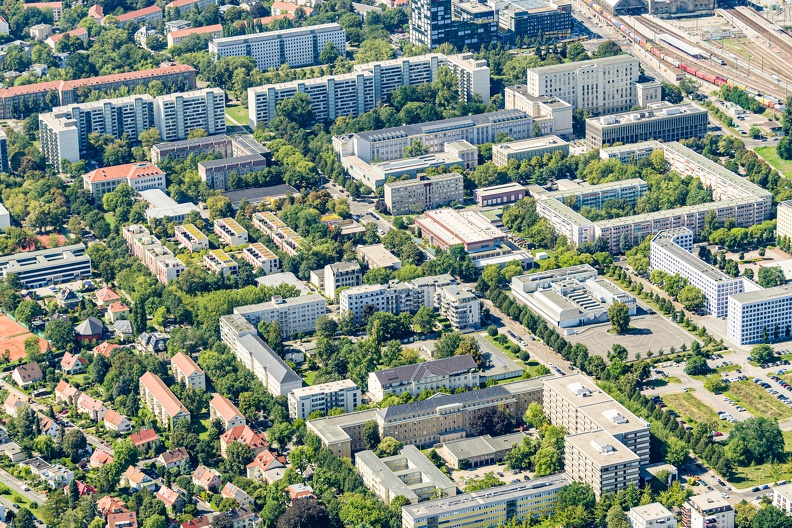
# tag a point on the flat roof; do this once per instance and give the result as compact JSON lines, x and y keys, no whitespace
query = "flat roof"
{"x":649,"y":512}
{"x":655,"y":112}
{"x":531,"y":144}
{"x":466,"y":226}
{"x":572,"y":66}
{"x":416,"y":181}
{"x":331,"y":429}
{"x":688,"y":209}
{"x":567,"y":386}
{"x":601,"y":448}
{"x":601,"y":187}
{"x":332,"y":386}
{"x":763,"y":295}
{"x":712,"y":273}
{"x":272,"y":35}
{"x":709,"y":501}
{"x":379,"y":255}
{"x":567,"y":213}
{"x":633,"y":147}
{"x":497,"y":189}
{"x":415,"y":461}
{"x":256,"y":195}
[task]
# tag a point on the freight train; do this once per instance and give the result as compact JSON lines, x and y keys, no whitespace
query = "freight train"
{"x":717,"y":80}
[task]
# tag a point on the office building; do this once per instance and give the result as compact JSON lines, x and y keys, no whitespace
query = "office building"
{"x":140,"y":176}
{"x":284,"y":237}
{"x":479,"y":451}
{"x":216,"y":173}
{"x":533,"y":19}
{"x":4,"y":166}
{"x":579,"y":406}
{"x":671,"y":252}
{"x":596,"y":458}
{"x":296,"y":47}
{"x":409,"y":474}
{"x":191,"y":238}
{"x":653,"y":515}
{"x":449,"y":373}
{"x":181,"y":149}
{"x":599,"y":86}
{"x":760,"y":316}
{"x":527,"y":149}
{"x":460,"y":306}
{"x":488,"y":507}
{"x":389,"y":143}
{"x":230,"y":232}
{"x":709,"y":510}
{"x":444,"y":228}
{"x":424,"y":192}
{"x":468,"y":25}
{"x":499,"y":194}
{"x":782,"y":498}
{"x":375,"y":256}
{"x":296,"y":315}
{"x":369,"y":85}
{"x":262,"y":258}
{"x":784,"y":219}
{"x":178,"y":113}
{"x":662,"y":121}
{"x":341,"y":275}
{"x":159,"y":399}
{"x":553,"y":115}
{"x":35,"y":269}
{"x":218,"y":261}
{"x":162,"y":206}
{"x":175,"y":38}
{"x":276,"y":376}
{"x":342,"y":394}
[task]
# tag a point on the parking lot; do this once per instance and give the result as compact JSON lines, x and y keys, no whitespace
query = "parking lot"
{"x":461,"y":477}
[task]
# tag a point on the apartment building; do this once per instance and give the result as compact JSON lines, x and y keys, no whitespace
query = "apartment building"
{"x":460,"y":306}
{"x":284,"y":237}
{"x":178,"y":113}
{"x":760,"y":315}
{"x":671,"y":252}
{"x":488,"y":507}
{"x":408,"y":474}
{"x":140,"y":176}
{"x":709,"y":510}
{"x":341,"y":275}
{"x":527,"y":149}
{"x":218,"y":261}
{"x":230,"y":232}
{"x":661,"y":120}
{"x":261,"y":258}
{"x":216,"y":173}
{"x":175,"y":38}
{"x":233,"y":326}
{"x":448,"y":373}
{"x":342,"y":394}
{"x":446,"y":227}
{"x":296,"y":47}
{"x":552,"y":20}
{"x":784,"y":219}
{"x":276,"y":376}
{"x":186,"y":370}
{"x":187,"y":5}
{"x":357,"y":92}
{"x":424,"y":289}
{"x":424,"y":192}
{"x":782,"y":498}
{"x":145,"y":16}
{"x":181,"y":149}
{"x":159,"y":399}
{"x":296,"y":315}
{"x":191,"y":238}
{"x":35,"y":269}
{"x":599,"y":86}
{"x":395,"y":297}
{"x":653,"y":515}
{"x":553,"y":115}
{"x":595,"y":196}
{"x":389,"y":143}
{"x":596,"y":458}
{"x":221,"y":408}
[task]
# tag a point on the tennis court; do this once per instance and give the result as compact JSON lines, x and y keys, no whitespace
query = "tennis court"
{"x":12,"y":337}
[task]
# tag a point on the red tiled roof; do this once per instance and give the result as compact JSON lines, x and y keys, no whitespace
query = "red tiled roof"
{"x":70,"y":360}
{"x":246,"y":435}
{"x":127,"y":519}
{"x":273,"y":18}
{"x":100,"y":458}
{"x":181,"y":3}
{"x":266,"y":460}
{"x":169,"y":402}
{"x":224,"y":407}
{"x":114,"y":418}
{"x":144,"y":436}
{"x":118,"y":307}
{"x":126,"y":17}
{"x":198,"y":522}
{"x":73,"y":33}
{"x":108,"y":504}
{"x":107,"y":295}
{"x":167,"y":495}
{"x":205,"y":475}
{"x":185,"y":364}
{"x":105,"y":348}
{"x":196,"y":31}
{"x":117,"y":172}
{"x":96,"y":11}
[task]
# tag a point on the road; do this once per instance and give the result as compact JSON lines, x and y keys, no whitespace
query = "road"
{"x":18,"y":486}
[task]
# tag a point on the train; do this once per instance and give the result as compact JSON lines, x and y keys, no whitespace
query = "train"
{"x":717,"y":80}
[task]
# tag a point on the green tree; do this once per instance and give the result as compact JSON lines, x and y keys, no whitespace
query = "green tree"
{"x":424,"y":319}
{"x":371,"y":435}
{"x":158,"y":521}
{"x":715,"y":384}
{"x":27,"y":311}
{"x":329,"y":54}
{"x":73,"y":443}
{"x":784,"y":148}
{"x":487,"y":481}
{"x":696,"y":366}
{"x":762,"y":437}
{"x":534,"y":416}
{"x":771,"y":517}
{"x":574,"y":494}
{"x":280,"y":434}
{"x":547,"y":461}
{"x":24,"y":519}
{"x":149,"y":138}
{"x":763,"y":354}
{"x":771,"y":276}
{"x":60,"y":333}
{"x":238,"y":456}
{"x":388,"y":446}
{"x":691,"y":298}
{"x":297,"y":109}
{"x":196,"y":133}
{"x":676,"y":452}
{"x":616,"y":517}
{"x":619,"y":317}
{"x":138,"y":316}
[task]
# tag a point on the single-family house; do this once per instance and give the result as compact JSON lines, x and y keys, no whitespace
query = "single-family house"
{"x":122,"y":520}
{"x":117,"y":311}
{"x":72,"y":364}
{"x":300,"y":491}
{"x":106,"y":297}
{"x":66,"y":298}
{"x":172,"y":500}
{"x":89,"y":330}
{"x":173,"y":458}
{"x":230,"y":491}
{"x":114,"y":421}
{"x":100,"y":458}
{"x":145,"y":440}
{"x":48,"y":426}
{"x":267,"y":467}
{"x":136,"y":480}
{"x":92,"y":407}
{"x":66,"y":393}
{"x":26,"y":374}
{"x":13,"y":403}
{"x":83,"y":489}
{"x":206,"y":478}
{"x":108,"y":505}
{"x":105,"y":349}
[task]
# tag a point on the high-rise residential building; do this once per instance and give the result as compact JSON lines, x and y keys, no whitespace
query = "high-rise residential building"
{"x":395,"y":298}
{"x":296,"y":47}
{"x":536,"y":19}
{"x":178,"y":113}
{"x":4,"y":166}
{"x":370,"y":84}
{"x":759,"y":316}
{"x":784,"y":219}
{"x":596,"y":458}
{"x":599,"y":86}
{"x":424,"y":192}
{"x":342,"y":394}
{"x":36,"y":269}
{"x":460,"y":306}
{"x":462,"y":24}
{"x":709,"y":510}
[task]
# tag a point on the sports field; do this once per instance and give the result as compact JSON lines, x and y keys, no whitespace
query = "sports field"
{"x":12,"y":337}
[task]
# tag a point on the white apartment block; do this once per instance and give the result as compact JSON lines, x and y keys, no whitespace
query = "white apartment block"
{"x":296,"y":47}
{"x":140,"y":176}
{"x":262,"y":258}
{"x":782,"y":498}
{"x":357,"y":92}
{"x":284,"y":237}
{"x":191,"y":238}
{"x":414,"y":196}
{"x":169,"y":270}
{"x":760,"y":315}
{"x":653,"y":515}
{"x":396,"y":298}
{"x":342,"y":394}
{"x":186,"y":371}
{"x":596,"y":458}
{"x":784,"y":219}
{"x":671,"y":252}
{"x":233,"y":326}
{"x":341,"y":275}
{"x":296,"y":315}
{"x":708,"y":511}
{"x":460,"y":306}
{"x":276,"y":376}
{"x":448,"y":373}
{"x":36,"y":269}
{"x":230,"y":232}
{"x":600,"y":86}
{"x":177,"y":114}
{"x":389,"y":143}
{"x":60,"y":139}
{"x":219,"y":262}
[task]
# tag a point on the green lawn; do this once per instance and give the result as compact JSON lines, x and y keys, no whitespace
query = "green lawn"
{"x":763,"y":473}
{"x":309,"y":377}
{"x":110,"y":217}
{"x":770,"y":155}
{"x":238,"y":113}
{"x":203,"y":428}
{"x":757,"y":400}
{"x":690,"y":408}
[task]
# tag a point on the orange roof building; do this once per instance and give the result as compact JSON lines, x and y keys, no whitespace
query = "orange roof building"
{"x":96,"y":12}
{"x":247,"y":436}
{"x":108,"y":505}
{"x":186,"y":371}
{"x":140,"y":176}
{"x":175,"y":37}
{"x":151,"y":14}
{"x":161,"y":401}
{"x":221,"y":408}
{"x":279,"y":8}
{"x":81,"y":33}
{"x":105,"y":349}
{"x":106,"y":296}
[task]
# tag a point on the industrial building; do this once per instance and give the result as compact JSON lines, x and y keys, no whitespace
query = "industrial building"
{"x":415,"y":196}
{"x":446,"y":227}
{"x":527,"y":149}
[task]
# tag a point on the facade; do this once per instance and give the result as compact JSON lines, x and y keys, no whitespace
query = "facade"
{"x":177,"y":114}
{"x":35,"y":269}
{"x":709,"y":510}
{"x":284,"y":237}
{"x":409,"y":474}
{"x":782,"y":498}
{"x":444,"y":228}
{"x":158,"y":259}
{"x":221,"y":144}
{"x":278,"y":378}
{"x":460,"y":306}
{"x":377,"y":256}
{"x":296,"y":47}
{"x":422,"y":193}
{"x":653,"y":515}
{"x":140,"y":176}
{"x":357,"y":92}
{"x":191,"y":238}
{"x":295,"y":315}
{"x":389,"y":143}
{"x":499,"y":194}
{"x":479,"y":451}
{"x":527,"y":19}
{"x":162,"y":206}
{"x":489,"y":507}
{"x":759,"y":316}
{"x":218,"y":261}
{"x":175,"y":38}
{"x":216,"y":173}
{"x":552,"y":114}
{"x":147,"y":15}
{"x":600,"y":86}
{"x":221,"y":408}
{"x":463,"y":24}
{"x":341,"y":275}
{"x":784,"y":219}
{"x":596,"y":458}
{"x":342,"y":394}
{"x":660,"y":121}
{"x":527,"y":149}
{"x":159,"y":399}
{"x":186,"y":371}
{"x":261,"y":258}
{"x":230,"y":232}
{"x":449,"y":373}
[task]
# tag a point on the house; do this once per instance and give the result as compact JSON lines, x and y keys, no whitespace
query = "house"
{"x":54,"y":476}
{"x":199,"y":522}
{"x":105,"y":349}
{"x":66,"y":298}
{"x":92,"y":407}
{"x":83,"y":488}
{"x":96,"y":12}
{"x":173,"y":501}
{"x":72,"y":364}
{"x":89,"y":330}
{"x":117,"y":422}
{"x":122,"y":520}
{"x":300,"y":491}
{"x":108,"y":505}
{"x":206,"y":478}
{"x":221,"y":408}
{"x":106,"y":297}
{"x":117,"y":312}
{"x":145,"y":440}
{"x":49,"y":427}
{"x":26,"y":374}
{"x":267,"y":467}
{"x":13,"y":403}
{"x":136,"y":480}
{"x":231,"y":491}
{"x":154,"y":342}
{"x":186,"y":371}
{"x":66,"y":393}
{"x":123,"y":329}
{"x":173,"y":458}
{"x":13,"y":452}
{"x":242,"y":517}
{"x":246,"y":435}
{"x":100,"y":458}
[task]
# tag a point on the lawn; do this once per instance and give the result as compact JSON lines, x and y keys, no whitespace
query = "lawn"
{"x":110,"y":217}
{"x":203,"y":428}
{"x":309,"y":377}
{"x":770,"y":155}
{"x":746,"y":477}
{"x":238,"y":113}
{"x":757,"y":400}
{"x":690,"y":407}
